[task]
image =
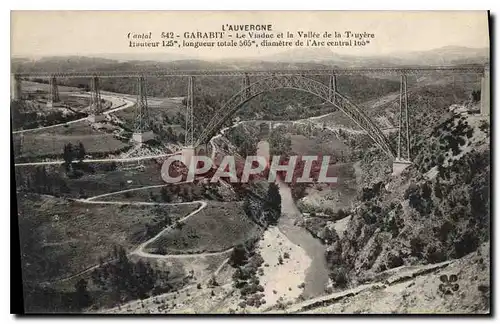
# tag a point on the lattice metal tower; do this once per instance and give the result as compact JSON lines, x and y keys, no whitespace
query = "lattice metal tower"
{"x":142,"y":121}
{"x":15,"y":89}
{"x":245,"y":84}
{"x":485,"y":91}
{"x":189,"y":138}
{"x":53,"y":90}
{"x":332,"y":86}
{"x":95,"y":96}
{"x":404,"y":124}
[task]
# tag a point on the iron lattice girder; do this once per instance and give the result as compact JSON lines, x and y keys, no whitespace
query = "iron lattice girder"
{"x":333,"y":86}
{"x":245,"y":85}
{"x":404,"y":122}
{"x":302,"y":84}
{"x":189,"y":136}
{"x":417,"y":70}
{"x":16,"y":87}
{"x":95,"y":96}
{"x":142,"y":121}
{"x":53,"y":90}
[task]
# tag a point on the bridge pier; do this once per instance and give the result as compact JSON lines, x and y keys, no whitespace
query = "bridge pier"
{"x":143,"y":132}
{"x":404,"y":122}
{"x":15,"y":87}
{"x":53,"y":92}
{"x":485,"y":92}
{"x":332,"y":86}
{"x":245,"y":85}
{"x":403,"y":159}
{"x":95,"y":101}
{"x":189,"y":137}
{"x":398,"y":166}
{"x":188,"y":152}
{"x":143,"y":137}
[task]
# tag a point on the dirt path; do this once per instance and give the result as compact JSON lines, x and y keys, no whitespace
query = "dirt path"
{"x":132,"y":159}
{"x":139,"y":250}
{"x":89,"y":200}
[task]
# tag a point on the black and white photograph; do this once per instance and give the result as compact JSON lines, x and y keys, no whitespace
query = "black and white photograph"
{"x":251,"y":162}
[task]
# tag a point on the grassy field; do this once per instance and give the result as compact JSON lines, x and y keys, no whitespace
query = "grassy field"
{"x":177,"y":193}
{"x":30,"y":86}
{"x":323,"y":198}
{"x":166,"y":117}
{"x":41,"y":144}
{"x":60,"y":237}
{"x":73,"y":101}
{"x":157,"y":107}
{"x":101,"y":178}
{"x":318,"y":145}
{"x":32,"y":111}
{"x":50,"y":142}
{"x":218,"y":227}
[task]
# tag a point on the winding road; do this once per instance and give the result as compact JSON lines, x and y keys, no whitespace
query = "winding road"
{"x":139,"y":251}
{"x":131,"y":159}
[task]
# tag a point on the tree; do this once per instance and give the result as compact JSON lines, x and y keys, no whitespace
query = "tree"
{"x":340,"y":276}
{"x":212,"y":282}
{"x":145,"y":283}
{"x":41,"y":182}
{"x":247,"y":207}
{"x":272,"y":206}
{"x":82,"y":295}
{"x":279,"y":144}
{"x":81,"y":152}
{"x":247,"y":147}
{"x":476,"y":95}
{"x":239,"y":256}
{"x":165,"y":196}
{"x":170,"y":134}
{"x":68,"y":156}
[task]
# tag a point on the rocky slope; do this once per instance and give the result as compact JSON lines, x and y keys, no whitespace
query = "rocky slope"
{"x":458,"y":286}
{"x":437,"y":210}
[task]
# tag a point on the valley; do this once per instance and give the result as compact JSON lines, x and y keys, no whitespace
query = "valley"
{"x":97,"y":219}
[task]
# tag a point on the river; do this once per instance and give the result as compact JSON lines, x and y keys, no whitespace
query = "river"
{"x":316,"y":278}
{"x":317,"y":274}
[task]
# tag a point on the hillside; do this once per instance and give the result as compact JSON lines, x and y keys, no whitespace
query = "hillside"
{"x":289,"y":59}
{"x":460,"y":286}
{"x":438,"y":210}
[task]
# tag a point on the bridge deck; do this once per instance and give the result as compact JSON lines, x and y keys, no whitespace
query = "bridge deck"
{"x":472,"y":69}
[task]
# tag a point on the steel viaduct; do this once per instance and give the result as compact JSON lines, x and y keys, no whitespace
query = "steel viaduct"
{"x":265,"y":81}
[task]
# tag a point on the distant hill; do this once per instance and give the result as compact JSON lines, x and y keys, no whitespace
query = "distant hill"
{"x":157,"y":57}
{"x":300,"y":58}
{"x":94,"y":64}
{"x":448,"y":55}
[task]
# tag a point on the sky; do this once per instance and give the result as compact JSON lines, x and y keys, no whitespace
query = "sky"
{"x":53,"y":33}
